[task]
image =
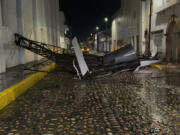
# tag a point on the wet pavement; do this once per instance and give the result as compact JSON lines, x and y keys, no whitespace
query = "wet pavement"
{"x":16,"y":74}
{"x":123,"y":104}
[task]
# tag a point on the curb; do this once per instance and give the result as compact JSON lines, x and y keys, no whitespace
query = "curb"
{"x":10,"y":94}
{"x":156,"y":66}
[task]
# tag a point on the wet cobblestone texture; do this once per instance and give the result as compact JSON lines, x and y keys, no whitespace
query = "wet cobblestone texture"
{"x":123,"y":104}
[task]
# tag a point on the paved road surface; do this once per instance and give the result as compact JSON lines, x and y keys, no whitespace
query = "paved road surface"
{"x":124,"y":104}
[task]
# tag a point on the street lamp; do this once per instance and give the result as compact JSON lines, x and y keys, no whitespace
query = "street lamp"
{"x":106,"y":21}
{"x":96,"y":38}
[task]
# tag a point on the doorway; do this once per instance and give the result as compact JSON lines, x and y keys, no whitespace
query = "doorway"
{"x":173,"y":40}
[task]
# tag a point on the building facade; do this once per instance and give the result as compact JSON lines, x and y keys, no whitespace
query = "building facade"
{"x":39,"y":20}
{"x":166,"y":28}
{"x":131,"y":25}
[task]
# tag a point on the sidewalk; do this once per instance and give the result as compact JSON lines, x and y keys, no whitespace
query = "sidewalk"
{"x":17,"y":74}
{"x":169,"y":66}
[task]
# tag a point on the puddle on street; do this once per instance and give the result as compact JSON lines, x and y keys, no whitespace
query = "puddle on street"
{"x":162,"y":94}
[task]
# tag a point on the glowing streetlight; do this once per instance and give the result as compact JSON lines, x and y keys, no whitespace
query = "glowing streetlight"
{"x":106,"y":19}
{"x":97,"y":28}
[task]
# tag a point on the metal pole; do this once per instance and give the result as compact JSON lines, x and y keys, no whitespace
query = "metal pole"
{"x":106,"y":38}
{"x":150,"y":17}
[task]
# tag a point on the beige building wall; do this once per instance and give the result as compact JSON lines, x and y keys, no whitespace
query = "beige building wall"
{"x":39,"y":20}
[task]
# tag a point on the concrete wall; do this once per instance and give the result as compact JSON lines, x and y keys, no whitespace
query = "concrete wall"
{"x":38,"y":20}
{"x":9,"y":23}
{"x":2,"y":52}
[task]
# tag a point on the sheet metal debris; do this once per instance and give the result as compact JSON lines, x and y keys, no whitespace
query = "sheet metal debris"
{"x":82,"y":64}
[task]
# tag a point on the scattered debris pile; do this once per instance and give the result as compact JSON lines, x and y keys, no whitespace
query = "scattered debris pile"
{"x":87,"y":65}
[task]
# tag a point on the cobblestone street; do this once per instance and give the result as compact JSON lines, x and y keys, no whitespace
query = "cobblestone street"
{"x":123,"y":104}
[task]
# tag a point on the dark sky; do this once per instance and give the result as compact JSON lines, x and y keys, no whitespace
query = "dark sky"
{"x":85,"y":15}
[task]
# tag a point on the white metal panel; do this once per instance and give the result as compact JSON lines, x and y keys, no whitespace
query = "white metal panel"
{"x":82,"y":64}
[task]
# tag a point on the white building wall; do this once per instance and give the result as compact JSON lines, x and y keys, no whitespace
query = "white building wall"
{"x":57,"y":23}
{"x":62,"y":27}
{"x":2,"y":52}
{"x":114,"y":35}
{"x":48,"y":21}
{"x":9,"y":20}
{"x":39,"y":22}
{"x":27,"y":26}
{"x":144,"y":24}
{"x":127,"y":23}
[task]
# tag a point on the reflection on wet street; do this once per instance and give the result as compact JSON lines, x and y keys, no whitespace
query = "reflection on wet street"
{"x":124,"y":104}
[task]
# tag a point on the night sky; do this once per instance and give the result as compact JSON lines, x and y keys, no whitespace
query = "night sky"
{"x":84,"y":15}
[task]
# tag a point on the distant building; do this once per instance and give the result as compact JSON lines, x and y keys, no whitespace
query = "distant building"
{"x":62,"y":29}
{"x":131,"y":25}
{"x":103,"y":41}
